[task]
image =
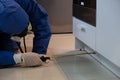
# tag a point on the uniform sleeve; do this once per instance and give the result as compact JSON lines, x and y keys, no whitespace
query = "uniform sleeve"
{"x":6,"y":58}
{"x":40,"y":25}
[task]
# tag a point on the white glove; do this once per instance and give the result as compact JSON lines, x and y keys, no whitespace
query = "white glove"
{"x":27,"y":59}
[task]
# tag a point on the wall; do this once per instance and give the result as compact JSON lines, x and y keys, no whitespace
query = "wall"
{"x":60,"y":14}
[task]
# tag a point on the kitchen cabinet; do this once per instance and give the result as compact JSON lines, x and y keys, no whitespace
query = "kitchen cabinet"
{"x":104,"y":38}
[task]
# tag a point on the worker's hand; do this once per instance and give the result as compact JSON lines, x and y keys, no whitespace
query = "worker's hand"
{"x":28,"y":59}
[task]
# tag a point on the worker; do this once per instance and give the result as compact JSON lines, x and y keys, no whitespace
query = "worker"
{"x":15,"y":16}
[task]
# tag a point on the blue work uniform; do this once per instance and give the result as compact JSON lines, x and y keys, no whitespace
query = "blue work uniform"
{"x":14,"y":18}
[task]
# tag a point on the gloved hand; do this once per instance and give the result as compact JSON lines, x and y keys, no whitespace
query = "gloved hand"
{"x":28,"y":59}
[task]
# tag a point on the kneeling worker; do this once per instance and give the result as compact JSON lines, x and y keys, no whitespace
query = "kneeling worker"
{"x":15,"y":16}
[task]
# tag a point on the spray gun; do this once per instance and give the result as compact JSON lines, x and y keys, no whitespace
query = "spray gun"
{"x":17,"y":40}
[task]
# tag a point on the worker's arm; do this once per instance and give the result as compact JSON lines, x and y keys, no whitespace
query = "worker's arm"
{"x":40,"y":24}
{"x":8,"y":59}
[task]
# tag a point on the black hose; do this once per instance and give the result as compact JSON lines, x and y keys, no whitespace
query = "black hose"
{"x":21,"y":50}
{"x":18,"y":43}
{"x":24,"y":44}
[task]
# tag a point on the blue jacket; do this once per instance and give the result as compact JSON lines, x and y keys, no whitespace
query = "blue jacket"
{"x":15,"y":20}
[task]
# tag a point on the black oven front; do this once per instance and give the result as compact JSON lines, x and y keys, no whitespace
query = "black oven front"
{"x":85,"y":10}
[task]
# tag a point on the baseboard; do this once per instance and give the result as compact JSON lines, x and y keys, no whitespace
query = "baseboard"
{"x":108,"y":64}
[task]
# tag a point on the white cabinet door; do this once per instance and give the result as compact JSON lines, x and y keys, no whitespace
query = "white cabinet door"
{"x":108,"y":30}
{"x":84,"y":32}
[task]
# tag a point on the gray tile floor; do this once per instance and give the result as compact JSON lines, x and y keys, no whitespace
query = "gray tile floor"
{"x":84,"y":67}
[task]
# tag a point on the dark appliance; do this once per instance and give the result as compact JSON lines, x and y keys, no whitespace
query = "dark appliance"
{"x":85,"y":10}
